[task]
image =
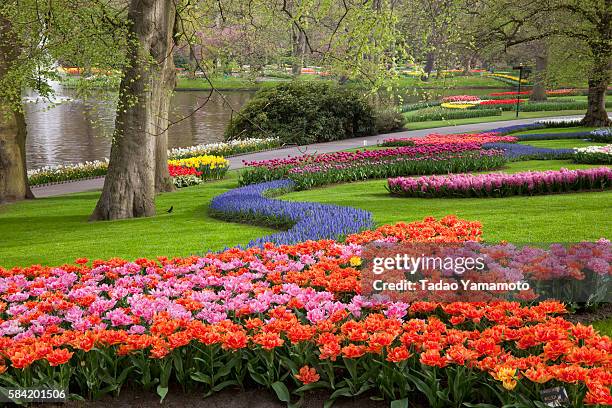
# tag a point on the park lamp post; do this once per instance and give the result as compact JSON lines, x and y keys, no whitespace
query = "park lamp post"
{"x":520,"y":69}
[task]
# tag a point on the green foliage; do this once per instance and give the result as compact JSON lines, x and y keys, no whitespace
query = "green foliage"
{"x":388,"y":119}
{"x":420,"y":105}
{"x":304,"y":112}
{"x":437,"y":113}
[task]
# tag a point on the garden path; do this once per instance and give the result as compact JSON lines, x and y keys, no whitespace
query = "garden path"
{"x":237,"y":161}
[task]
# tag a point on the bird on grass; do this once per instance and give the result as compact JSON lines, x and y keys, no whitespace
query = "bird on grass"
{"x":169,"y":210}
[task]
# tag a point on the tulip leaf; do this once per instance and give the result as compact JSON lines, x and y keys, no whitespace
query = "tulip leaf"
{"x":281,"y":391}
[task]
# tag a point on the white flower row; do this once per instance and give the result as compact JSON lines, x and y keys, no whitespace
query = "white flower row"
{"x":60,"y":168}
{"x":223,"y":148}
{"x":558,"y":121}
{"x":607,"y":149}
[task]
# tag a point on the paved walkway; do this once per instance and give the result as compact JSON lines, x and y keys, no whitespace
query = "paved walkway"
{"x":237,"y":162}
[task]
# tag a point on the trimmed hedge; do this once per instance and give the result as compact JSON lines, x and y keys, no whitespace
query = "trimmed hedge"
{"x":419,"y":105}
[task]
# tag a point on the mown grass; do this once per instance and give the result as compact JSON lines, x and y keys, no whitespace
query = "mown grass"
{"x":548,"y":218}
{"x":604,"y":326}
{"x":55,"y":230}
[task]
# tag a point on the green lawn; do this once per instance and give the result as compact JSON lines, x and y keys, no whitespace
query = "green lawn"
{"x":55,"y":230}
{"x":504,"y":116}
{"x":552,"y":218}
{"x":556,"y":130}
{"x":604,"y":326}
{"x":561,"y":143}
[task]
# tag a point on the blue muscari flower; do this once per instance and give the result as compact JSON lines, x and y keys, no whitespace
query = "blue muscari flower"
{"x":312,"y":221}
{"x":517,"y":128}
{"x":520,"y":151}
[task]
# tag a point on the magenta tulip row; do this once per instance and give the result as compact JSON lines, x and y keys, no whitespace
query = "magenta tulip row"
{"x":501,"y":184}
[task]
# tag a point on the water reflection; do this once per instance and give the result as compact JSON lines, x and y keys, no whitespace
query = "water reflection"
{"x":80,"y":130}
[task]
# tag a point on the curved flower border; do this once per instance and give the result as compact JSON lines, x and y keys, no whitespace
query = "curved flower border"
{"x":309,"y":221}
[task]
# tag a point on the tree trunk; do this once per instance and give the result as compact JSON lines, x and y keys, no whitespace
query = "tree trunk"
{"x":596,"y":114}
{"x":129,"y":187}
{"x":298,"y":41}
{"x":538,"y":91}
{"x":163,"y":181}
{"x":429,"y":66}
{"x":13,"y":170}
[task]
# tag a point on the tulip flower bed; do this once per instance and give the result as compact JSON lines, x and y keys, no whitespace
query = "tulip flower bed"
{"x":441,"y":139}
{"x":501,"y":102}
{"x":514,"y":152}
{"x":460,"y":98}
{"x":593,"y":154}
{"x":184,"y":176}
{"x":309,"y":171}
{"x":305,"y":221}
{"x":207,"y":167}
{"x":290,"y":319}
{"x":501,"y":184}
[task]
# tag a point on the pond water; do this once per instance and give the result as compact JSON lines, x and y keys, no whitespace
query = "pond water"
{"x":75,"y":130}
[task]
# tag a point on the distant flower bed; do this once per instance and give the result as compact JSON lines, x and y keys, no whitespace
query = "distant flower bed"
{"x":501,"y":184}
{"x":594,"y":154}
{"x":502,"y":102}
{"x":460,"y":98}
{"x":440,"y":139}
{"x":457,"y":105}
{"x":514,"y":152}
{"x":508,"y":78}
{"x":310,"y":171}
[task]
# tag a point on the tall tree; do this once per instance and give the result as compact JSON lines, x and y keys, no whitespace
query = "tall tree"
{"x":588,"y":22}
{"x":141,"y":120}
{"x":13,"y":169}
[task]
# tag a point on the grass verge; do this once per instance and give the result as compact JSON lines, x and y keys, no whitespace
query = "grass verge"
{"x":55,"y":230}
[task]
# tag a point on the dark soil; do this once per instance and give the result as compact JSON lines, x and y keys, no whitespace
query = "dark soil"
{"x":589,"y":316}
{"x":254,"y":398}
